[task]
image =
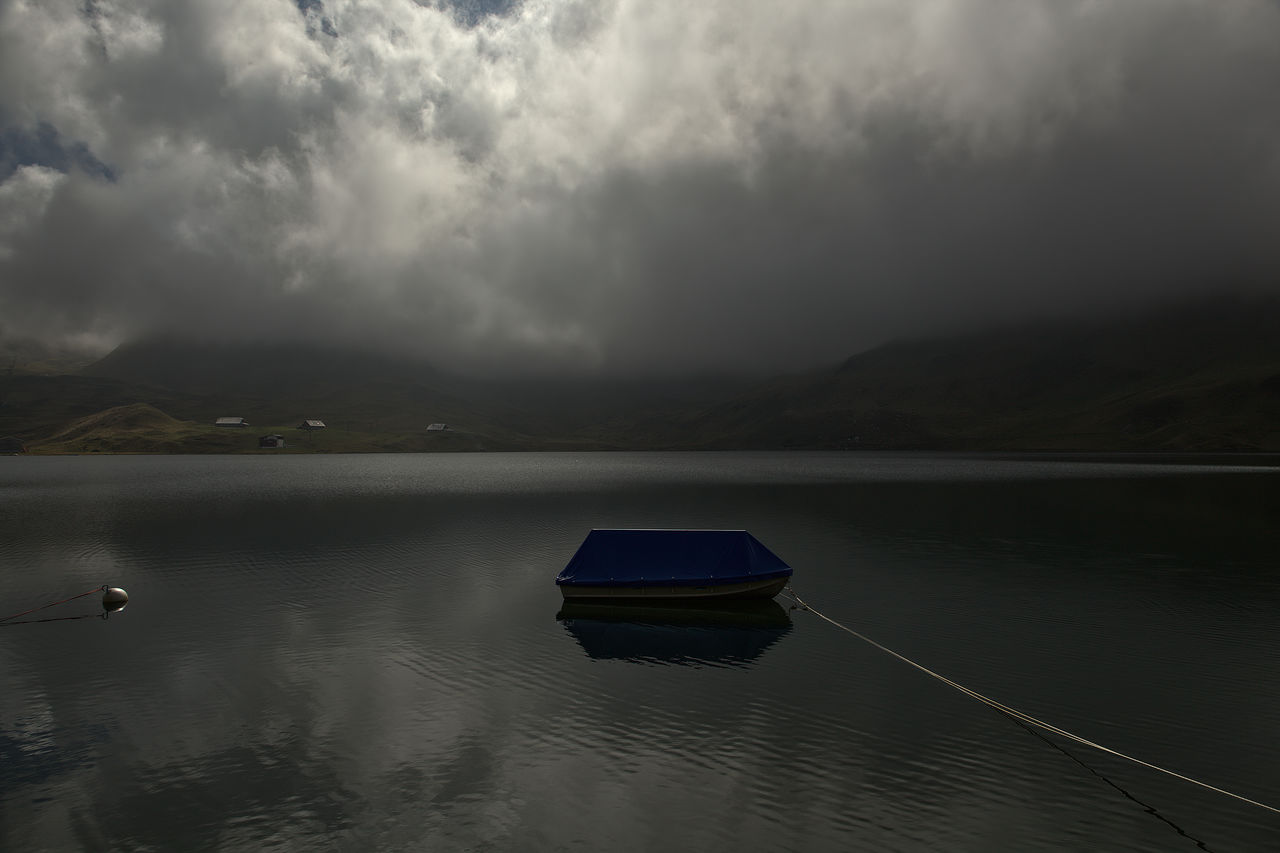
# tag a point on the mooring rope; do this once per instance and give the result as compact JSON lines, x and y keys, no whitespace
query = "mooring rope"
{"x":102,"y":588}
{"x":1019,"y":715}
{"x":1146,"y":807}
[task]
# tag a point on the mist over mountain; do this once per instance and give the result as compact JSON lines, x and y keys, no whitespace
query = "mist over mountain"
{"x":1202,"y":376}
{"x":255,"y":368}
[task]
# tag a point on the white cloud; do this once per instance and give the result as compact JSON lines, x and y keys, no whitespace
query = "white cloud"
{"x":631,"y":184}
{"x":23,"y":199}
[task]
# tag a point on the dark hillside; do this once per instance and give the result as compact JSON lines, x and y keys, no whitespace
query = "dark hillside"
{"x":376,"y":394}
{"x":1195,"y":378}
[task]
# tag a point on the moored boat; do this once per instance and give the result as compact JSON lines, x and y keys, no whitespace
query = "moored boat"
{"x":647,"y":565}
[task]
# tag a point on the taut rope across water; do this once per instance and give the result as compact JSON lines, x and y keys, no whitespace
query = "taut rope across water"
{"x":1020,"y":715}
{"x":113,"y":599}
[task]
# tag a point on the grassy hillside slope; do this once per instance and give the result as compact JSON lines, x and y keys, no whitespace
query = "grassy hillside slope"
{"x":132,"y":428}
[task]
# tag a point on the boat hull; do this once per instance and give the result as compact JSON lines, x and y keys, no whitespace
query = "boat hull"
{"x":766,"y":588}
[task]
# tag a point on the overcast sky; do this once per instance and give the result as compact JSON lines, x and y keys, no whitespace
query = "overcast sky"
{"x":627,"y":186}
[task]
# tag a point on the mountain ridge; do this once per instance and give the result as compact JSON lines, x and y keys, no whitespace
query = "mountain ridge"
{"x":1199,"y":377}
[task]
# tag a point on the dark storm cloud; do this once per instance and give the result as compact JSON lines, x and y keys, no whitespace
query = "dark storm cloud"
{"x":629,"y":186}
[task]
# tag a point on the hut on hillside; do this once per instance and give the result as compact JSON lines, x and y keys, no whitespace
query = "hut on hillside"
{"x":311,"y":423}
{"x":437,"y":427}
{"x":231,"y":422}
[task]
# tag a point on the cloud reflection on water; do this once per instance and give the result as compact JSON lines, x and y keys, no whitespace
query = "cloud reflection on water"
{"x":308,"y":664}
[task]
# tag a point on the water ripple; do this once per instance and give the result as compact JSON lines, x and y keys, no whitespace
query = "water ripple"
{"x":362,"y":654}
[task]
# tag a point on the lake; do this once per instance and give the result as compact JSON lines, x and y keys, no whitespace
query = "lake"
{"x":368,"y":652}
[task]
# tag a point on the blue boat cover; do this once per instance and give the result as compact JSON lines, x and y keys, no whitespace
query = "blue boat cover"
{"x":670,"y":558}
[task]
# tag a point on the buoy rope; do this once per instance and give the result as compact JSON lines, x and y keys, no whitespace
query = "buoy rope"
{"x":102,"y":588}
{"x":1020,"y":715}
{"x":102,"y":615}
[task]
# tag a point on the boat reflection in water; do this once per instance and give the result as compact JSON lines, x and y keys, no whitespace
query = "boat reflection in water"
{"x":730,"y":633}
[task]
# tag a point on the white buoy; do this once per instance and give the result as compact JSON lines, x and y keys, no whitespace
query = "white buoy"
{"x":114,"y":598}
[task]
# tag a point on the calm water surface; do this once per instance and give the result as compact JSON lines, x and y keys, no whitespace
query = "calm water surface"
{"x":364,"y":653}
